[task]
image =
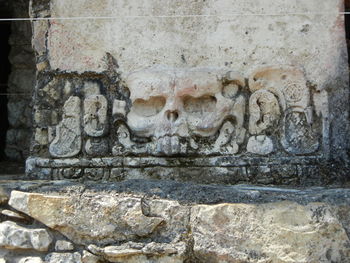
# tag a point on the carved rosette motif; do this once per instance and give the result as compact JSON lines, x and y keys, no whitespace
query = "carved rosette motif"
{"x":194,"y":112}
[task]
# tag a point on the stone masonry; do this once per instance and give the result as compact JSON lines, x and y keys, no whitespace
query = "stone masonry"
{"x":21,"y":84}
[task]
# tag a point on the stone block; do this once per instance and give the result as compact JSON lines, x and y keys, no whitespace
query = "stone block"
{"x":63,"y":245}
{"x":97,"y":219}
{"x":279,"y":232}
{"x":13,"y":236}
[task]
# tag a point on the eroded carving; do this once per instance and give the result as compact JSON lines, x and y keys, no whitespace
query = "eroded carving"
{"x":288,"y":85}
{"x":95,"y":115}
{"x":194,"y":112}
{"x":170,"y":106}
{"x":260,"y":144}
{"x":67,"y":142}
{"x":264,"y":111}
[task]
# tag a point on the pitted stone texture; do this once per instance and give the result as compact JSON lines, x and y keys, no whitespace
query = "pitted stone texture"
{"x":88,"y":257}
{"x":169,"y":104}
{"x":241,"y":40}
{"x":95,"y":219}
{"x":260,"y":144}
{"x":67,"y":142}
{"x":95,"y":115}
{"x":63,"y":258}
{"x":275,"y":232}
{"x":147,"y":253}
{"x":13,"y":236}
{"x":286,"y":86}
{"x":62,"y":245}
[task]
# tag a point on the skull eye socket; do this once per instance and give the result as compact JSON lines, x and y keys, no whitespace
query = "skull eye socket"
{"x":148,"y":108}
{"x":200,"y":106}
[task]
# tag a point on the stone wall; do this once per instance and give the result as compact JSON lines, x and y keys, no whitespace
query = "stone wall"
{"x":162,"y":222}
{"x":206,"y":91}
{"x":21,"y":84}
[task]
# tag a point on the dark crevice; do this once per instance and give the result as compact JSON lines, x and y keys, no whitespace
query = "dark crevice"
{"x":5,"y":69}
{"x":347,"y":27}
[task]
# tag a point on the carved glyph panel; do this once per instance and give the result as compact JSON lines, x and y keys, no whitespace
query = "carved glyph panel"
{"x":195,"y":112}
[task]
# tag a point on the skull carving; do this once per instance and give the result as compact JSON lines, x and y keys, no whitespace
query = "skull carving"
{"x":170,"y":104}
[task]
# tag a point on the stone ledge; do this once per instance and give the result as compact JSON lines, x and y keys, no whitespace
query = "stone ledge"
{"x":165,"y":221}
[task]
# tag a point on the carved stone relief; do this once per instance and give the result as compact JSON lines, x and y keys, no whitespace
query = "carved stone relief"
{"x":283,"y":87}
{"x":67,"y":142}
{"x":182,"y":112}
{"x":95,"y":115}
{"x":173,"y":106}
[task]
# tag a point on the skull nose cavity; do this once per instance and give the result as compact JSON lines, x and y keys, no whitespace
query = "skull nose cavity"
{"x":172,"y":116}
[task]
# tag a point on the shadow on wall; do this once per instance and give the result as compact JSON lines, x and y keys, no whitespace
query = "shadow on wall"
{"x":347,"y":25}
{"x":5,"y":69}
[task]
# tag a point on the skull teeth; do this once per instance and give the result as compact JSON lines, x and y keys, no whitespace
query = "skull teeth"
{"x":168,"y":145}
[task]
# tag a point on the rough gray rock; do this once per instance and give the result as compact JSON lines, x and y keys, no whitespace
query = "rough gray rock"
{"x":31,"y":260}
{"x":13,"y":236}
{"x":274,"y":232}
{"x":97,"y":219}
{"x":63,"y":258}
{"x":63,"y":245}
{"x":137,"y":252}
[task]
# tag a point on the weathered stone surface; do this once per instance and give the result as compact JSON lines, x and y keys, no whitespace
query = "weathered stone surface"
{"x":63,"y":258}
{"x":31,"y":260}
{"x":96,"y":146}
{"x":241,"y":36}
{"x":13,"y":236}
{"x":137,"y":252}
{"x":143,"y":102}
{"x":260,"y":144}
{"x":98,"y":219}
{"x":276,"y":232}
{"x":95,"y":115}
{"x":245,"y":224}
{"x":67,"y":142}
{"x":14,"y":215}
{"x":62,"y":245}
{"x":88,"y":257}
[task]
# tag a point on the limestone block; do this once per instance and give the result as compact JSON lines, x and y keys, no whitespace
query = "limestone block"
{"x":13,"y":236}
{"x":274,"y":232}
{"x":95,"y":115}
{"x":260,"y":144}
{"x":137,"y":252}
{"x":68,"y":133}
{"x":31,"y":260}
{"x":88,"y":219}
{"x":62,"y":245}
{"x":63,"y":257}
{"x":175,"y":215}
{"x":88,"y":257}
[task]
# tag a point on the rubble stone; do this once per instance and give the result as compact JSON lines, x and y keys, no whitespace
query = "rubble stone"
{"x":13,"y":236}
